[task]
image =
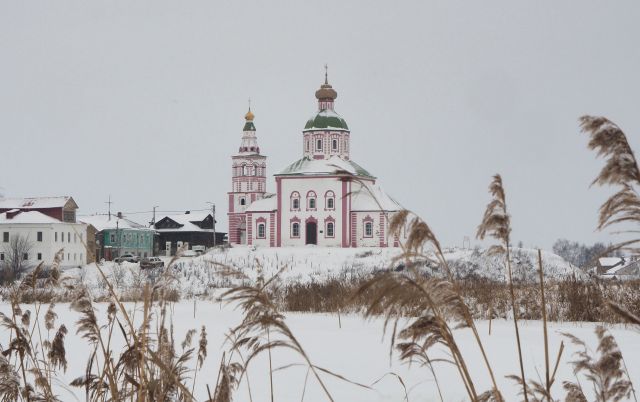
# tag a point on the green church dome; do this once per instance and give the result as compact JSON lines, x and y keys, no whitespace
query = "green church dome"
{"x":326,"y":119}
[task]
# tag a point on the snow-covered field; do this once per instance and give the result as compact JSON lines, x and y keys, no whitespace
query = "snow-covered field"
{"x":197,"y":276}
{"x":355,"y":351}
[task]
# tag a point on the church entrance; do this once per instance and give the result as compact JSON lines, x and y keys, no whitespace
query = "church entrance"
{"x":242,"y":236}
{"x":311,"y":233}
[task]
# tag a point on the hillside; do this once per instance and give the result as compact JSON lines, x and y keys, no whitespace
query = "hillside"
{"x":310,"y":264}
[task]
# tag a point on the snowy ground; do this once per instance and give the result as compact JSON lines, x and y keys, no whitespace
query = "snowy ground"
{"x":197,"y":276}
{"x":356,"y":351}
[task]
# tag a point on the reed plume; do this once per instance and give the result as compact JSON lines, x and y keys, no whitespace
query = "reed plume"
{"x":433,"y":301}
{"x":603,"y":370}
{"x":496,"y":223}
{"x":620,"y":170}
{"x":264,"y":328}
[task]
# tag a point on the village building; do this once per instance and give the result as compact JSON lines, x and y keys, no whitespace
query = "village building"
{"x":37,"y":238}
{"x":620,"y":268}
{"x":61,"y":208}
{"x":324,"y":198}
{"x":115,"y":236}
{"x":192,"y":229}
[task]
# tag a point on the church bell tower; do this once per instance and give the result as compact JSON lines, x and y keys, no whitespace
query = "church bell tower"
{"x":248,"y":180}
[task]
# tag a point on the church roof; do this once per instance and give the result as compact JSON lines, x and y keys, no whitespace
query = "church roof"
{"x":326,"y":119}
{"x":268,"y":203}
{"x":333,"y":165}
{"x":371,"y":197}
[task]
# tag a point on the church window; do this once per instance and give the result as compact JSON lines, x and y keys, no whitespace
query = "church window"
{"x":308,"y":145}
{"x":334,"y":145}
{"x":329,"y":198}
{"x":261,"y":231}
{"x":295,"y":201}
{"x":368,"y":229}
{"x":295,"y":229}
{"x":243,"y":201}
{"x":311,"y":200}
{"x":330,"y":229}
{"x":319,"y":145}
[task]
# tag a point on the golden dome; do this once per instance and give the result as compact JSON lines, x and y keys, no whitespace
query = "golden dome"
{"x":326,"y":92}
{"x":249,"y":116}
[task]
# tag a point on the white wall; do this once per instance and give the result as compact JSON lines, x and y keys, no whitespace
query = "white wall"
{"x":75,"y":253}
{"x":320,"y":185}
{"x":255,"y":216}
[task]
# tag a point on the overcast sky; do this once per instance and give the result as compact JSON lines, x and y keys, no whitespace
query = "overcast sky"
{"x":144,"y":100}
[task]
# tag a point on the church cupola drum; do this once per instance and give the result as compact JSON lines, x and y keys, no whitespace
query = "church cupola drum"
{"x":326,"y":133}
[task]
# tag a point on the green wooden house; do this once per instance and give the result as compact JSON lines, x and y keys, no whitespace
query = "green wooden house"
{"x":116,"y":236}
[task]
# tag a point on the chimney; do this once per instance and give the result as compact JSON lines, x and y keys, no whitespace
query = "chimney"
{"x":12,"y":213}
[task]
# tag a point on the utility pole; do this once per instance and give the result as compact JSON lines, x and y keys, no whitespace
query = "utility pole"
{"x":213,"y":214}
{"x":153,"y":220}
{"x":109,"y":202}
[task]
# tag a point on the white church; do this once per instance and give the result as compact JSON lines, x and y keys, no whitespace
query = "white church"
{"x":323,"y":198}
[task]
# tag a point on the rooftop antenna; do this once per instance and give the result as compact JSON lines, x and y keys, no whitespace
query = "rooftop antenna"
{"x":109,"y":202}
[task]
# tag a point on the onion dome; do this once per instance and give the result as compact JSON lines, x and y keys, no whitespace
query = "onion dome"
{"x":326,"y":92}
{"x":248,"y":125}
{"x":326,"y":120}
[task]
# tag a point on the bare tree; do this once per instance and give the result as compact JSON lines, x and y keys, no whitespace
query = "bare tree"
{"x":16,"y":257}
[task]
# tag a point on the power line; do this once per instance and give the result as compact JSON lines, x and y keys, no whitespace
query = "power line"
{"x":151,"y":211}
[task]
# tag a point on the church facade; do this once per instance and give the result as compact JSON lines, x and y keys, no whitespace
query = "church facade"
{"x":324,"y":198}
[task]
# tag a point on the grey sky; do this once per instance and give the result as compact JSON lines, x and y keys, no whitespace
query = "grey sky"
{"x":145,"y":100}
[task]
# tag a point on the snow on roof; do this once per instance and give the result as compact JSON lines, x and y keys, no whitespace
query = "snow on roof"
{"x":186,"y":221}
{"x":371,"y":197}
{"x":35,"y":202}
{"x":268,"y":203}
{"x":610,"y":261}
{"x":333,"y":165}
{"x":27,"y":217}
{"x":102,"y":222}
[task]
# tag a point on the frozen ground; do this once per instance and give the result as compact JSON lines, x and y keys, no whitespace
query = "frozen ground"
{"x":197,"y":276}
{"x":356,"y":351}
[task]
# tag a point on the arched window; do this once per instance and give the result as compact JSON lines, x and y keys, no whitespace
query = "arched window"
{"x":295,"y":201}
{"x":329,"y":200}
{"x":295,"y":229}
{"x":318,"y":144}
{"x":330,"y":229}
{"x":311,"y":201}
{"x":368,"y":229}
{"x":255,"y":170}
{"x":334,"y":145}
{"x":243,"y":201}
{"x":261,"y":231}
{"x":245,"y":170}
